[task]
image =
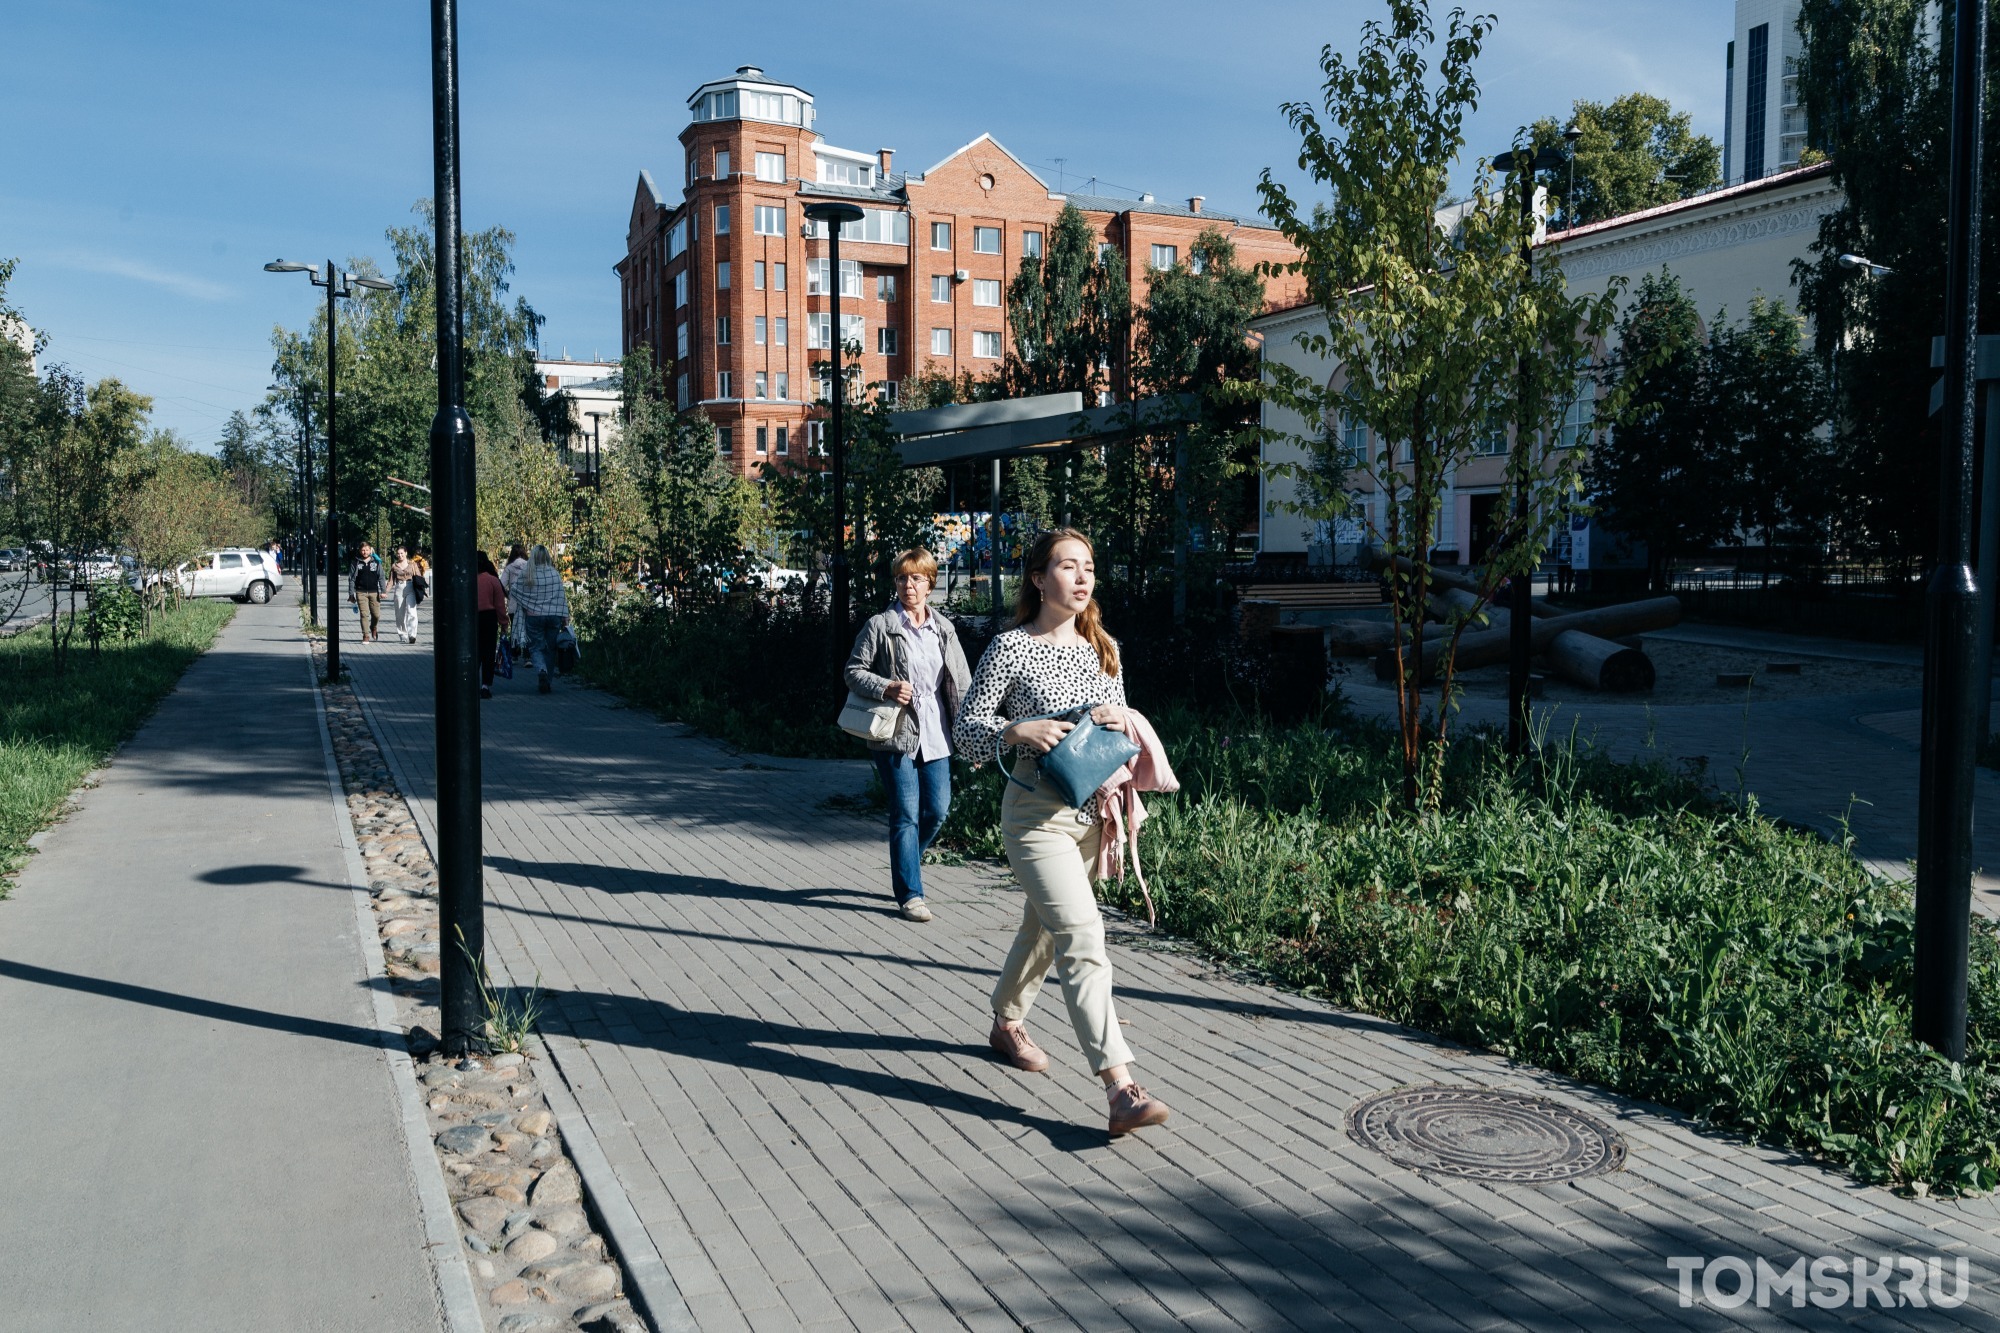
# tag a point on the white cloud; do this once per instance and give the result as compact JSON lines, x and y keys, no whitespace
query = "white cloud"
{"x":181,"y":284}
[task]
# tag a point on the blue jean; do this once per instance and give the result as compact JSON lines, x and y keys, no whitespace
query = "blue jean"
{"x":543,"y":631}
{"x":919,"y":798}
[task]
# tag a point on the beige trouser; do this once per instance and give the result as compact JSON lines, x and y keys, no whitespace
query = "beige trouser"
{"x":1051,"y":853}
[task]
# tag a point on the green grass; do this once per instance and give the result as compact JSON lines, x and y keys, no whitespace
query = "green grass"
{"x":55,"y":729}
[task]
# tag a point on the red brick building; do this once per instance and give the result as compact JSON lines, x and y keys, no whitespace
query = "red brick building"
{"x":719,"y":280}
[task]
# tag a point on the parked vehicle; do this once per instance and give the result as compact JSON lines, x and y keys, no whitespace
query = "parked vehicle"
{"x":14,"y":559}
{"x":241,"y":573}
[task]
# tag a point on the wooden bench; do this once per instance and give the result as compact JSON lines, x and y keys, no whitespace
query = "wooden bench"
{"x":1314,"y":596}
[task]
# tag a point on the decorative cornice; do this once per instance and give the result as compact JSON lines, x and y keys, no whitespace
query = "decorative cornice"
{"x":1693,"y":234}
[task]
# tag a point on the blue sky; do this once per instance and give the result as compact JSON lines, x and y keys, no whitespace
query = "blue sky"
{"x":159,"y":154}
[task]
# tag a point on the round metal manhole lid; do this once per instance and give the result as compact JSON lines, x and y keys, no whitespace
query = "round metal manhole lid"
{"x":1483,"y":1134}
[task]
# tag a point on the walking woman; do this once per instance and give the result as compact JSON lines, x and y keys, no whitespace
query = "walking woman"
{"x":1056,"y":658}
{"x":910,"y":655}
{"x":405,"y":573}
{"x":492,"y":620}
{"x":511,"y":574}
{"x":538,"y":595}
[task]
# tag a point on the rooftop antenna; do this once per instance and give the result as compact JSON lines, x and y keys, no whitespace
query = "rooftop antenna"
{"x":1059,"y":174}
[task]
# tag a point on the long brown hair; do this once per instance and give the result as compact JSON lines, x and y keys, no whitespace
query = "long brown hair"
{"x":1089,"y":621}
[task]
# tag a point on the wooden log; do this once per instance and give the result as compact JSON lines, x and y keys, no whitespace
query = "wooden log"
{"x":1485,"y":647}
{"x":1444,"y":578}
{"x":1600,"y":664}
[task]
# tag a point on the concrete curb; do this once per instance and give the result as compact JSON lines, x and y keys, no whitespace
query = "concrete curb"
{"x":653,"y":1286}
{"x":458,"y":1301}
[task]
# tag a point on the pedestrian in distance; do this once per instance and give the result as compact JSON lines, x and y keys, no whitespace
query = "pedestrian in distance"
{"x":910,"y":655}
{"x":492,"y":620}
{"x":538,"y":595}
{"x":407,"y":580}
{"x":364,"y":593}
{"x":1057,"y":658}
{"x":512,"y":573}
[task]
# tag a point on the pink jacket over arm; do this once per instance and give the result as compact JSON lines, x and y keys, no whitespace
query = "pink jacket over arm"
{"x":1120,"y":810}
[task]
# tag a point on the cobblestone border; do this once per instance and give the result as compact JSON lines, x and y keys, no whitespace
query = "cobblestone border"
{"x":537,"y":1260}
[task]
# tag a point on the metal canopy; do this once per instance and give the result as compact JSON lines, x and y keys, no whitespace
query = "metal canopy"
{"x":1016,"y":427}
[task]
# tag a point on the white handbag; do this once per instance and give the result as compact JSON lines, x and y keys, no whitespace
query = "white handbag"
{"x":869,"y":719}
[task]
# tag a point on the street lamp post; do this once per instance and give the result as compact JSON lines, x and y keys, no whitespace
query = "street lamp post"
{"x":1520,"y":641}
{"x":596,"y":448}
{"x":1951,"y":688}
{"x":337,"y":287}
{"x":455,"y":626}
{"x":836,"y":215}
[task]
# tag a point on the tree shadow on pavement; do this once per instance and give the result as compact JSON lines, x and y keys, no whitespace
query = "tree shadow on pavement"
{"x":620,"y":879}
{"x":770,"y":1047}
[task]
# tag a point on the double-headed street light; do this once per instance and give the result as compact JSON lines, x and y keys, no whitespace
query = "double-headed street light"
{"x":1520,"y":642}
{"x":1875,"y":270}
{"x":835,"y":216}
{"x":337,"y":284}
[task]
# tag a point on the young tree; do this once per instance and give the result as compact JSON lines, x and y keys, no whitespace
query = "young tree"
{"x":692,"y":502}
{"x":1769,"y":421}
{"x":1434,"y":325}
{"x":524,"y":489}
{"x":1874,"y":81}
{"x":178,"y":505}
{"x":1636,"y":152}
{"x":1661,"y":475}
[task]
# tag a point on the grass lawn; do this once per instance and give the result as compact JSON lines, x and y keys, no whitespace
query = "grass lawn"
{"x":55,"y":729}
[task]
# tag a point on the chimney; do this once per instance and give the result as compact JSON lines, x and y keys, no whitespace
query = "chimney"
{"x":883,"y":155}
{"x":1194,"y":203}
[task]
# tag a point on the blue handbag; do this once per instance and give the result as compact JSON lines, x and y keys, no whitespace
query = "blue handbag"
{"x":1084,"y":760}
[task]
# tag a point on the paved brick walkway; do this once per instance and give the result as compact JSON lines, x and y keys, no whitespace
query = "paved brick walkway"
{"x":790,"y":1087}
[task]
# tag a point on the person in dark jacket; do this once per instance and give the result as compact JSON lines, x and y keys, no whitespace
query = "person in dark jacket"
{"x":910,"y":655}
{"x":364,"y":593}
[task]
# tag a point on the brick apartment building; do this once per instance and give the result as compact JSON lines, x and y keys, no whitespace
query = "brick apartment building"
{"x":735,"y":302}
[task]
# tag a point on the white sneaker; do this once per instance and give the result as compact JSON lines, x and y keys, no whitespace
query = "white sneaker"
{"x":914,"y":909}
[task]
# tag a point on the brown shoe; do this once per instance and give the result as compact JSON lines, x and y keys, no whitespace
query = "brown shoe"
{"x":1132,"y":1107}
{"x":1017,"y":1048}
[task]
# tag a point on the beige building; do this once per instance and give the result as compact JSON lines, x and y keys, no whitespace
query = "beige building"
{"x":594,"y":397}
{"x":1725,"y":247}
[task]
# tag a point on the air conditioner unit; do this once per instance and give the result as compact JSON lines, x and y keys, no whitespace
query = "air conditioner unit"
{"x":960,"y":276}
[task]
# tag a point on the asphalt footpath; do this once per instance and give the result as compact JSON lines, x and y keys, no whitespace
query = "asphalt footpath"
{"x":200,"y":1124}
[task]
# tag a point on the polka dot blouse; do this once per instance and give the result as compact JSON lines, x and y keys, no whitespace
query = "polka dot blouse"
{"x":1023,"y":676}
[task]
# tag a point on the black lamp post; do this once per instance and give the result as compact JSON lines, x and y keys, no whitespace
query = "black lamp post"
{"x":336,"y":284}
{"x":596,"y":448}
{"x":1571,"y":133}
{"x":1951,"y":685}
{"x":1520,"y":641}
{"x":835,"y":216}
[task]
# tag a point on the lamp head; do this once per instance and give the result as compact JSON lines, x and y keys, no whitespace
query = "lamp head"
{"x":1572,"y":132}
{"x":836,"y":213}
{"x":287,"y":266}
{"x":372,"y":284}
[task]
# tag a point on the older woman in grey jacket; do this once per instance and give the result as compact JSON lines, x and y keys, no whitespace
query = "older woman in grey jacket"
{"x":909,"y":654}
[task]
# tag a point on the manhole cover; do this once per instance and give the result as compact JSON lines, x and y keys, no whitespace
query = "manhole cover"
{"x":1485,"y":1135}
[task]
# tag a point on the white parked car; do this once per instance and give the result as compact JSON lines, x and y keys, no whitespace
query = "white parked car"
{"x":242,"y":573}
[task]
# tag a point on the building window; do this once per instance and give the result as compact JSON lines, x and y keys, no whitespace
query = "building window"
{"x":722,"y":330}
{"x":722,"y":164}
{"x":763,"y":435}
{"x":784,"y":437}
{"x":850,"y":278}
{"x":941,"y":288}
{"x":771,"y":167}
{"x":940,"y":342}
{"x":763,"y":388}
{"x":778,"y":276}
{"x":680,"y":289}
{"x":677,"y":239}
{"x":722,"y":275}
{"x":1165,"y":256}
{"x":885,"y":286}
{"x":722,"y":385}
{"x":757,"y":330}
{"x":986,"y":345}
{"x":846,"y":173}
{"x":986,"y":240}
{"x":691,"y":168}
{"x":681,"y":390}
{"x":816,"y":276}
{"x":1354,"y":441}
{"x":885,"y":341}
{"x":819,"y":330}
{"x":681,"y":341}
{"x":1105,"y":249}
{"x":757,"y":275}
{"x":769,"y":220}
{"x":784,"y":387}
{"x":778,"y":330}
{"x":1756,"y":74}
{"x":889,"y":392}
{"x":940,"y":236}
{"x":986,"y":291}
{"x":722,"y":219}
{"x":1579,"y":421}
{"x":725,"y":438}
{"x":1031,"y":245}
{"x":853,"y":330}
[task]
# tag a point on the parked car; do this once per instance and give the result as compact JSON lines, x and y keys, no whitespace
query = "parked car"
{"x":241,"y":573}
{"x":15,"y":558}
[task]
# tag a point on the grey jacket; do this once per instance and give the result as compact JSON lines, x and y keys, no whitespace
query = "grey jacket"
{"x":881,"y":657}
